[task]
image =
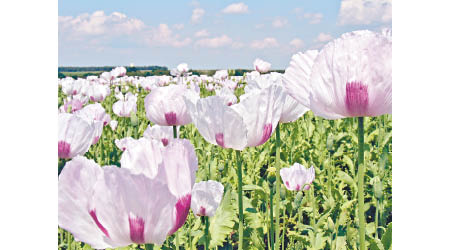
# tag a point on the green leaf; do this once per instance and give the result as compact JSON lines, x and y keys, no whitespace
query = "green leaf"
{"x":387,"y":237}
{"x":223,"y":221}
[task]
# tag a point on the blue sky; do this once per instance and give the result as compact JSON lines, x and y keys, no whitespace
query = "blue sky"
{"x":206,"y":34}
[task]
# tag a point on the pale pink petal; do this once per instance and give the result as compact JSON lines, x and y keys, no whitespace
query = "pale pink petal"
{"x":352,"y":76}
{"x":206,"y":198}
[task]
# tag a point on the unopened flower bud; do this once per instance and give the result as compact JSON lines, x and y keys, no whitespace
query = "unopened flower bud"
{"x":330,"y":142}
{"x":271,"y":177}
{"x":134,"y":119}
{"x":298,"y":200}
{"x":378,"y":187}
{"x":220,"y":167}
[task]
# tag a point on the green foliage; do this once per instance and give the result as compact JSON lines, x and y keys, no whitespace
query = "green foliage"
{"x":325,"y":217}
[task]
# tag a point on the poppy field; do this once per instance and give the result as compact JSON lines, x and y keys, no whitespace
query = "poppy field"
{"x":300,"y":160}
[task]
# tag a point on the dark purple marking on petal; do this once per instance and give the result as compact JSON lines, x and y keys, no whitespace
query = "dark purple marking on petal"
{"x":356,"y":98}
{"x":202,"y":212}
{"x":136,"y":229}
{"x":182,"y":210}
{"x":171,"y":118}
{"x":219,"y":139}
{"x":297,"y":188}
{"x":267,"y":132}
{"x":74,"y":92}
{"x":287,"y":184}
{"x":63,"y":150}
{"x":306,"y":187}
{"x":229,"y":103}
{"x":165,"y":141}
{"x":93,"y":215}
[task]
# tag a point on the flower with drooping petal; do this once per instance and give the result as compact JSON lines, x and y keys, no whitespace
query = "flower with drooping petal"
{"x":261,"y":111}
{"x":97,"y":114}
{"x":352,"y":76}
{"x":98,"y":92}
{"x":292,"y":109}
{"x":165,"y":106}
{"x":109,"y":207}
{"x":218,"y":123}
{"x":176,"y":164}
{"x":296,"y":76}
{"x":297,"y":176}
{"x":230,"y":84}
{"x":206,"y":198}
{"x":261,"y":66}
{"x":75,"y":135}
{"x":124,"y":108}
{"x":162,"y":133}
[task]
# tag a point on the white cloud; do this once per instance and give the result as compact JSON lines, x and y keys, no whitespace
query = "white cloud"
{"x":356,"y":12}
{"x":178,"y":26}
{"x":197,"y":15}
{"x":279,"y":22}
{"x":214,"y":42}
{"x":201,"y":33}
{"x":163,"y":36}
{"x":323,"y":37}
{"x":268,"y":42}
{"x":237,"y":45}
{"x":98,"y":24}
{"x":297,"y":43}
{"x":236,"y":8}
{"x":313,"y":18}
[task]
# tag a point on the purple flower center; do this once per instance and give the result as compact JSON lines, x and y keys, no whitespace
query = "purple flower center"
{"x":181,"y":211}
{"x":136,"y":229}
{"x":219,"y":140}
{"x":267,"y":132}
{"x":165,"y":141}
{"x":93,"y":214}
{"x":171,"y":118}
{"x":356,"y":98}
{"x":63,"y":149}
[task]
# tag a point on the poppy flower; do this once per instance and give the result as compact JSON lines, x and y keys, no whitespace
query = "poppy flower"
{"x":296,"y":76}
{"x":174,"y":164}
{"x":297,"y":177}
{"x":206,"y":198}
{"x":165,"y":106}
{"x":352,"y":76}
{"x":75,"y":135}
{"x":109,"y":207}
{"x":162,"y":133}
{"x":217,"y":122}
{"x":261,"y":66}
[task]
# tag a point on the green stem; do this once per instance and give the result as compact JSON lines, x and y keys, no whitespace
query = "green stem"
{"x":361,"y":170}
{"x":271,"y":233}
{"x":69,"y":241}
{"x":313,"y":201}
{"x":376,"y":219}
{"x":174,"y":132}
{"x":241,"y":210}
{"x":284,"y":228}
{"x":177,"y":241}
{"x":206,"y":233}
{"x":278,"y":188}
